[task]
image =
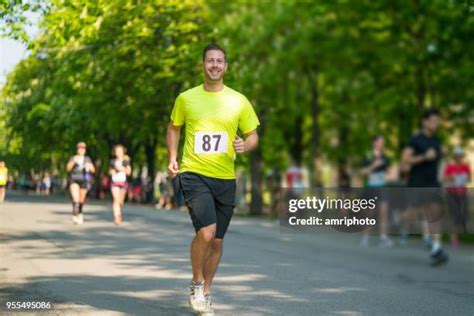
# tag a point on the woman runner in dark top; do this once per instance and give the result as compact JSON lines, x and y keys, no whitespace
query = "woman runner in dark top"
{"x":119,"y":169}
{"x":79,"y":167}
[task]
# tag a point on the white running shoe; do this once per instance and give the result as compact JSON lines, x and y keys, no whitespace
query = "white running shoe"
{"x":80,"y":219}
{"x":75,"y":219}
{"x":385,"y":242}
{"x":197,"y":300}
{"x":209,"y":311}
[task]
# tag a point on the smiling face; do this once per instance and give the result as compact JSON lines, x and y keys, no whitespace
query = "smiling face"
{"x":214,"y":66}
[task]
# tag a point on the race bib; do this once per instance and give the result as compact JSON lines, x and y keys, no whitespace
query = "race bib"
{"x":376,"y":179}
{"x":3,"y":177}
{"x":460,"y":180}
{"x":210,"y":142}
{"x":80,"y":163}
{"x":119,"y":177}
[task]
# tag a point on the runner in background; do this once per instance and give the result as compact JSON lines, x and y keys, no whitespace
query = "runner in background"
{"x":457,"y":175}
{"x":294,"y":179}
{"x":79,"y":167}
{"x":119,"y":169}
{"x":421,"y":158}
{"x":374,"y":168}
{"x":46,"y":183}
{"x":3,"y":180}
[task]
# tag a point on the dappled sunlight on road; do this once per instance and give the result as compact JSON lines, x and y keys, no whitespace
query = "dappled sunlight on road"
{"x":143,"y":266}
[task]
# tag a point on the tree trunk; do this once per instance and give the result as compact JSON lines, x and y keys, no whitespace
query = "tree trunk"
{"x":296,"y":146}
{"x":150,"y":158}
{"x":256,"y":171}
{"x":150,"y":148}
{"x":256,"y":203}
{"x":344,"y":178}
{"x":315,"y":167}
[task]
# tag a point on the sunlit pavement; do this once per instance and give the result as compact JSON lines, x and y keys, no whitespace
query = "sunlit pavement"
{"x":142,"y":267}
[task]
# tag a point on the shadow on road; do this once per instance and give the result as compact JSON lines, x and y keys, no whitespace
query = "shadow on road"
{"x":142,"y":267}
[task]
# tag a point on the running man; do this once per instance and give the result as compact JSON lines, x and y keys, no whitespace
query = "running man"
{"x":421,"y":159}
{"x":374,"y":169}
{"x":212,"y":113}
{"x":119,"y":169}
{"x":3,"y":180}
{"x":79,"y":167}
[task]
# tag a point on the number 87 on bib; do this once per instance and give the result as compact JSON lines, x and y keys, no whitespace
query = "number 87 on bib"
{"x":210,"y":142}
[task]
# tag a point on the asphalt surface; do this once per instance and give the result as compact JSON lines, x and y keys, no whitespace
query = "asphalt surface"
{"x":142,"y":267}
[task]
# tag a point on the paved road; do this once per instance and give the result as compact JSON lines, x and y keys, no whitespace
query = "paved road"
{"x":142,"y":267}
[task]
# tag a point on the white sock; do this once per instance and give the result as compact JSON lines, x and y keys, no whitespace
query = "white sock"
{"x":435,"y":246}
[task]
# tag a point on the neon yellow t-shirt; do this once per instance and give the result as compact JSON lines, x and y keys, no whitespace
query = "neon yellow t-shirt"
{"x":3,"y":175}
{"x":212,"y":120}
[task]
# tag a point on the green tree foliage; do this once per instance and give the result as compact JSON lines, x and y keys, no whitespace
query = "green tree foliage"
{"x":14,"y":17}
{"x":323,"y":76}
{"x":105,"y":72}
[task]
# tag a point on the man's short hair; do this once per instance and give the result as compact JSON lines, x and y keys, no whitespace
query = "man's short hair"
{"x":429,"y":113}
{"x":213,"y":46}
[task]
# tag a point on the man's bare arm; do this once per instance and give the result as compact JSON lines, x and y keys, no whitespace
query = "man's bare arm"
{"x":172,"y":141}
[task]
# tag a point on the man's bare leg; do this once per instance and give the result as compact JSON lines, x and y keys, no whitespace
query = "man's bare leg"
{"x":212,"y":262}
{"x":383,"y":218}
{"x":433,"y":217}
{"x":385,"y":241}
{"x":199,"y":250}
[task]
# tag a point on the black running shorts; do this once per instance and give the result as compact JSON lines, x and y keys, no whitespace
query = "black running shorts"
{"x":82,"y":183}
{"x":420,"y":197}
{"x":209,"y":200}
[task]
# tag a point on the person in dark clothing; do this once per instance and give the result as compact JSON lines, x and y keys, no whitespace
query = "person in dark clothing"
{"x":421,"y":159}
